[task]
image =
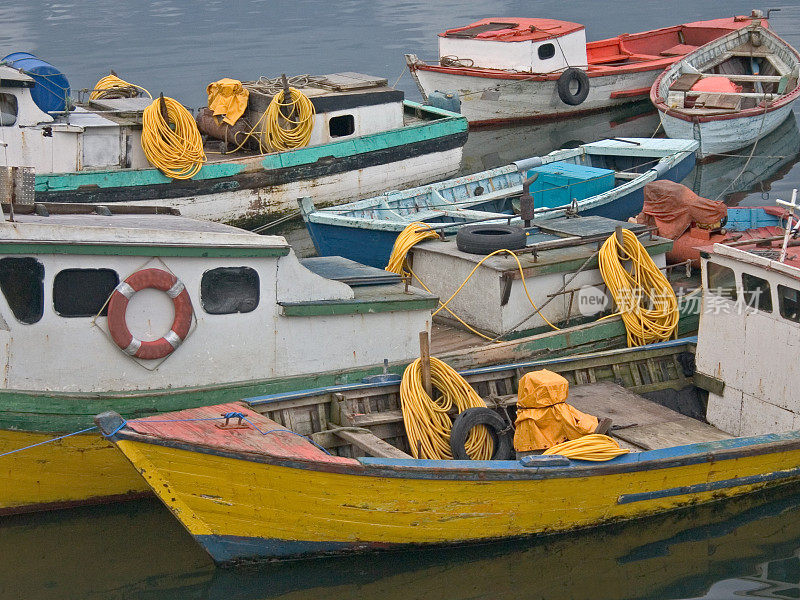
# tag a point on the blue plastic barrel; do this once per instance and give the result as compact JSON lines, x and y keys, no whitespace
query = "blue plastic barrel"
{"x":52,"y":88}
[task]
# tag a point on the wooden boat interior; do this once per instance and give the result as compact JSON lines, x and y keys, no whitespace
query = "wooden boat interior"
{"x":649,"y":46}
{"x":757,"y":72}
{"x":366,"y":420}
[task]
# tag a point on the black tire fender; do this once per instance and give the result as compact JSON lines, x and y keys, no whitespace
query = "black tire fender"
{"x":500,"y":432}
{"x":564,"y":84}
{"x":485,"y":238}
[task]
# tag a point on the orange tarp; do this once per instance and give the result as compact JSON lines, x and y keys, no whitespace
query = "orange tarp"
{"x":227,"y":97}
{"x":544,"y":419}
{"x":673,"y":208}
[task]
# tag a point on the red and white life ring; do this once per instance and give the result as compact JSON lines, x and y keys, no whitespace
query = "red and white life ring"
{"x":118,"y":306}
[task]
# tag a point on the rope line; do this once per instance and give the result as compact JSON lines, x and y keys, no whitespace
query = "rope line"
{"x":62,"y":437}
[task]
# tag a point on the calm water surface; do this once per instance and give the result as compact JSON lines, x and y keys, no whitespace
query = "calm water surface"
{"x":746,"y":547}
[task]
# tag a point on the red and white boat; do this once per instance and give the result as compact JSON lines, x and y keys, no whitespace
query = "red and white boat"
{"x":506,"y":70}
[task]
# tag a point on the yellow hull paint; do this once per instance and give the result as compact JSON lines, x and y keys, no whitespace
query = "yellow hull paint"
{"x":81,"y":469}
{"x":221,"y":496}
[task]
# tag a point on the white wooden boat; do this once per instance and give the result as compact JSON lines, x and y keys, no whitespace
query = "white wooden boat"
{"x":603,"y":178}
{"x":503,"y":70}
{"x":731,"y":92}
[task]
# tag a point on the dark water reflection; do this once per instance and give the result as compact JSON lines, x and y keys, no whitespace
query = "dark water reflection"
{"x":745,"y":547}
{"x":137,"y":550}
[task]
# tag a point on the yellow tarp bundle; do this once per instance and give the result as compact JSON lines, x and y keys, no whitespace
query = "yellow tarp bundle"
{"x":544,"y":419}
{"x":227,"y":97}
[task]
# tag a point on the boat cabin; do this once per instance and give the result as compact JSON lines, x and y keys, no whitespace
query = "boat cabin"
{"x":525,"y":45}
{"x":747,"y":339}
{"x":104,"y":300}
{"x":495,"y":299}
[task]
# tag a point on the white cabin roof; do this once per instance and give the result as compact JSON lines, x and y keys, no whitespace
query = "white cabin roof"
{"x":139,"y":229}
{"x":13,"y":74}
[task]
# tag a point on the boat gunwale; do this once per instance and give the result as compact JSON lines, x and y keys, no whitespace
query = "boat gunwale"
{"x":756,"y":111}
{"x":489,"y":471}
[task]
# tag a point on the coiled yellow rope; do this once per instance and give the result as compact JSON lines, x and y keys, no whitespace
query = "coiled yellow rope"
{"x":644,"y":297}
{"x":286,"y":134}
{"x":426,"y":420}
{"x":112,"y":86}
{"x":413,"y":234}
{"x":178,"y":152}
{"x":595,"y":447}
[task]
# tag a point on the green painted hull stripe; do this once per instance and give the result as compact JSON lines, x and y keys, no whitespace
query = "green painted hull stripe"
{"x":444,"y":125}
{"x":314,"y":309}
{"x":24,"y":247}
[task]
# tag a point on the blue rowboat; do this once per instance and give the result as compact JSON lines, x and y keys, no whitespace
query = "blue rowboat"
{"x":604,"y":178}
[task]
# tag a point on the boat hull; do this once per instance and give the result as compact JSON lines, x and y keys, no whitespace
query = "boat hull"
{"x":82,"y":469}
{"x":373,"y":246}
{"x":242,"y":508}
{"x":718,"y":136}
{"x":501,"y":100}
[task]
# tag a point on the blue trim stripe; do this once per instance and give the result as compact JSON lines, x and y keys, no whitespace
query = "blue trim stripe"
{"x":700,"y":451}
{"x":699,"y":488}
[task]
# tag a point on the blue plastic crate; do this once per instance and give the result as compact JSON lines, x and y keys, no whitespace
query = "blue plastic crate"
{"x":561,"y":182}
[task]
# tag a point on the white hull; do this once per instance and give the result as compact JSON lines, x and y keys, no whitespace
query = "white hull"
{"x":726,"y":135}
{"x":486,"y":100}
{"x":236,"y":205}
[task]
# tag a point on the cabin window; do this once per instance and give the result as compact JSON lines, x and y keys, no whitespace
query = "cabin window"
{"x":721,"y":281}
{"x":342,"y":125}
{"x":22,"y":283}
{"x":83,"y":292}
{"x":546,"y":51}
{"x":789,"y":303}
{"x":8,"y":110}
{"x":757,"y":293}
{"x":228,"y":290}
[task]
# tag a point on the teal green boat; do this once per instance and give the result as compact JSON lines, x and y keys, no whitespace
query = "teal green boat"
{"x":365,"y":138}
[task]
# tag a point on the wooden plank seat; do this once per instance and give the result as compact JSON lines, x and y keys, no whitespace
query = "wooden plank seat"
{"x":370,"y":443}
{"x":678,"y":50}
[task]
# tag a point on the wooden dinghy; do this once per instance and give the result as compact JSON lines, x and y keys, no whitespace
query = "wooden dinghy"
{"x":257,"y":489}
{"x":603,"y":178}
{"x":504,"y":70}
{"x":731,"y":92}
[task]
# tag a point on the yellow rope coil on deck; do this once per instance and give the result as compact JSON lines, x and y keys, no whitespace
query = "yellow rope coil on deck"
{"x":643,"y":295}
{"x":288,"y":133}
{"x":174,"y":145}
{"x":413,"y":234}
{"x":595,"y":447}
{"x":426,"y":420}
{"x":112,"y":86}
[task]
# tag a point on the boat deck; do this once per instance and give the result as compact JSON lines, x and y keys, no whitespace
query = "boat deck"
{"x":638,"y":423}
